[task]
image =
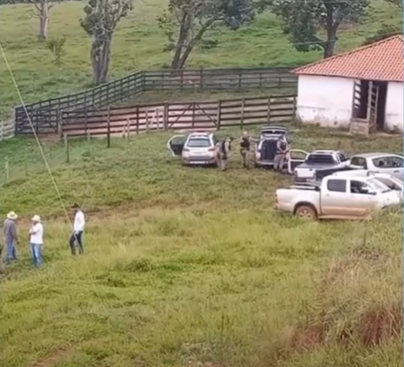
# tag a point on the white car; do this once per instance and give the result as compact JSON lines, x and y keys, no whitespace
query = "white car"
{"x":388,"y":163}
{"x":338,"y":197}
{"x":197,"y":148}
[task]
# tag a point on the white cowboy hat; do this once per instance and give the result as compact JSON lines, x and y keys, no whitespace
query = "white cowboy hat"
{"x":12,"y":216}
{"x":36,"y":218}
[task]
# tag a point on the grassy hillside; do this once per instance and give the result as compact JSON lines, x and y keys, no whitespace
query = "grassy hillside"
{"x":193,"y":266}
{"x":138,"y":44}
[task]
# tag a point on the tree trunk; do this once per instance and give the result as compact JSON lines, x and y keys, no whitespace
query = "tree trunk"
{"x":100,"y":56}
{"x":43,"y":20}
{"x":332,"y":27}
{"x":184,"y":30}
{"x":329,"y":48}
{"x":180,"y":63}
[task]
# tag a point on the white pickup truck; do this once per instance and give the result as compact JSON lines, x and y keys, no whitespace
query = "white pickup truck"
{"x":338,"y":197}
{"x":318,"y":164}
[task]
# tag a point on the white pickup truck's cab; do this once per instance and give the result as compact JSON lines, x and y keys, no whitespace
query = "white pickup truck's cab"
{"x":338,"y":197}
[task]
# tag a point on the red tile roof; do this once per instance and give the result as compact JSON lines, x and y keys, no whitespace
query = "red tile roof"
{"x":381,"y":60}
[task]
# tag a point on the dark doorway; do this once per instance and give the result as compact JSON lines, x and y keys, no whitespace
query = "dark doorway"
{"x":364,"y":98}
{"x":381,"y":104}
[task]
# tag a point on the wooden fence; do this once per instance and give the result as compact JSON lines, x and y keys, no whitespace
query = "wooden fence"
{"x":45,"y":115}
{"x":179,"y":116}
{"x":7,"y":129}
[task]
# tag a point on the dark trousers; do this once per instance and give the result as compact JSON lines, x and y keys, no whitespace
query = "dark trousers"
{"x":76,"y":240}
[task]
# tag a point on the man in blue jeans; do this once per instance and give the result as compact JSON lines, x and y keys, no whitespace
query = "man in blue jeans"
{"x":36,"y":240}
{"x":10,"y":234}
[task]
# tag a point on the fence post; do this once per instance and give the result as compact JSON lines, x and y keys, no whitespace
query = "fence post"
{"x":294,"y":108}
{"x":240,"y":76}
{"x":279,"y":79}
{"x":109,"y":128}
{"x":137,"y":120}
{"x":193,"y":115}
{"x":147,"y":120}
{"x":242,"y":114}
{"x":182,"y":78}
{"x":128,"y":129}
{"x":269,"y":110}
{"x":219,"y":109}
{"x":201,"y":75}
{"x":67,"y":148}
{"x":260,"y":80}
{"x":7,"y":169}
{"x":165,"y":116}
{"x":85,"y":121}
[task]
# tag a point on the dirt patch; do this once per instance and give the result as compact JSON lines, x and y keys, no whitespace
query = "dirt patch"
{"x":53,"y":358}
{"x":303,"y":338}
{"x":380,"y":324}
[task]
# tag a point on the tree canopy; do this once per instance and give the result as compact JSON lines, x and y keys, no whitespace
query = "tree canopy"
{"x":186,"y":21}
{"x":302,"y":20}
{"x":102,"y":17}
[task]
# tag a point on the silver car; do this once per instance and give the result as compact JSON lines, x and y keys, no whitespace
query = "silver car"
{"x":391,"y":164}
{"x":197,"y":148}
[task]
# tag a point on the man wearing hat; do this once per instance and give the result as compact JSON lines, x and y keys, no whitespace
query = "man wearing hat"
{"x":78,"y":229}
{"x":10,"y":236}
{"x":36,"y":240}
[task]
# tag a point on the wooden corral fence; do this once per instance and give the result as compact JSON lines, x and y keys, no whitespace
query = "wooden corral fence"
{"x":7,"y":129}
{"x":45,"y":115}
{"x":179,"y":116}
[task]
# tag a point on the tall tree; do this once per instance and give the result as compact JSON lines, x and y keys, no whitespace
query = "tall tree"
{"x":303,"y":19}
{"x":41,"y":11}
{"x":102,"y":17}
{"x":185,"y":22}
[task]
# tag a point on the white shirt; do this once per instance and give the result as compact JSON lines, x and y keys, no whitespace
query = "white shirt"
{"x":36,"y":234}
{"x":79,"y":222}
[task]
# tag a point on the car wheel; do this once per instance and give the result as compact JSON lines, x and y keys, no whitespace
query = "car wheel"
{"x":306,"y":212}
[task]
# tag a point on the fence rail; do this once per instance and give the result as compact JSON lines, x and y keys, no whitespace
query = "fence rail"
{"x":7,"y":129}
{"x":179,"y":116}
{"x":45,"y":115}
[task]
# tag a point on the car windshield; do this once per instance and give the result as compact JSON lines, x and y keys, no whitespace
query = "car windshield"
{"x":377,"y":185}
{"x":391,"y":182}
{"x":320,"y":159}
{"x":199,"y":143}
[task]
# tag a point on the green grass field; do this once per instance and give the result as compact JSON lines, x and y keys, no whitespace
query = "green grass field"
{"x":193,"y":267}
{"x":138,"y":44}
{"x":184,"y":267}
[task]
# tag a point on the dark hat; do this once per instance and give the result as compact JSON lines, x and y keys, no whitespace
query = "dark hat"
{"x":75,"y":206}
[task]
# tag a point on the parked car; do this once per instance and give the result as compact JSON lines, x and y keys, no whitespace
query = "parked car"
{"x":266,"y":147}
{"x":342,"y":197}
{"x":197,"y":148}
{"x":386,"y":163}
{"x":379,"y":163}
{"x":319,"y":164}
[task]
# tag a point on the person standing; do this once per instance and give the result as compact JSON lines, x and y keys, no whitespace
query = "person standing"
{"x":78,"y":229}
{"x":10,"y":234}
{"x":224,"y":152}
{"x":245,"y":148}
{"x":36,"y":240}
{"x":281,"y":150}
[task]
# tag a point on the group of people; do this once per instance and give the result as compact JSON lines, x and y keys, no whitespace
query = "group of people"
{"x":36,"y":236}
{"x":224,"y":147}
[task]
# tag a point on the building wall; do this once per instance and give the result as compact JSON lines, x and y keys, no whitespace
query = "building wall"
{"x":326,"y":101}
{"x":394,"y":107}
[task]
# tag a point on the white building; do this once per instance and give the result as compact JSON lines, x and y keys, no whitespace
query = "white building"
{"x":360,"y":89}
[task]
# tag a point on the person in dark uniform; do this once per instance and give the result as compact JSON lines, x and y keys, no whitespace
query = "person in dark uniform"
{"x":223,"y":153}
{"x":245,"y":144}
{"x":281,"y":151}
